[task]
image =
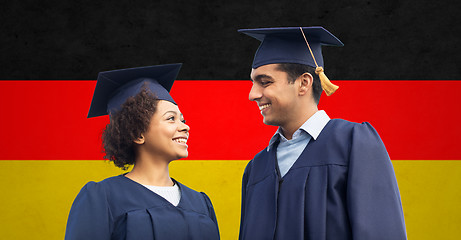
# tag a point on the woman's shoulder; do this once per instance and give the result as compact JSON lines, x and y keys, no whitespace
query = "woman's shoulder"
{"x":112,"y":181}
{"x":187,"y":191}
{"x":101,"y":188}
{"x":198,"y":200}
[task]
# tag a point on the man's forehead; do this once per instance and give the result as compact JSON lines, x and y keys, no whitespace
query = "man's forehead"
{"x":265,"y":71}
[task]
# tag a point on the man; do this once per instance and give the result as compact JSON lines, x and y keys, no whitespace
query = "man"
{"x":318,"y":178}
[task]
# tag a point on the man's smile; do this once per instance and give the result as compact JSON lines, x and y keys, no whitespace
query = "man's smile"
{"x":264,"y":106}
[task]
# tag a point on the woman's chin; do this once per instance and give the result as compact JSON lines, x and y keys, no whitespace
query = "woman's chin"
{"x":181,"y":155}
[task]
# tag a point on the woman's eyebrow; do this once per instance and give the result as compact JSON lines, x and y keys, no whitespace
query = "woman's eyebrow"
{"x":173,"y":112}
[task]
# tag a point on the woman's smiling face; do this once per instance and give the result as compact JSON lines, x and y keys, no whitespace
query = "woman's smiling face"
{"x":167,"y":134}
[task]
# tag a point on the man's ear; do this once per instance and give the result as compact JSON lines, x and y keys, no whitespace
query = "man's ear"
{"x":305,"y":83}
{"x":139,"y":140}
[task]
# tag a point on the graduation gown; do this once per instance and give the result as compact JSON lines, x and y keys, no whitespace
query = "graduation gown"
{"x":342,"y":186}
{"x":119,"y":208}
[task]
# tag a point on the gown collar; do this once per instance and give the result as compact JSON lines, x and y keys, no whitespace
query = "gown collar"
{"x":313,"y":126}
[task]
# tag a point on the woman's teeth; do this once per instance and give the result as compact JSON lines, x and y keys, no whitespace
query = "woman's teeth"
{"x":180,"y":140}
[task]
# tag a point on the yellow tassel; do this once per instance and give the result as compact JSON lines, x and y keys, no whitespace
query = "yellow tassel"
{"x":327,"y":86}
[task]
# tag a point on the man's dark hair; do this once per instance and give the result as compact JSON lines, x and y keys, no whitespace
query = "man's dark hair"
{"x":127,"y":125}
{"x":294,"y":70}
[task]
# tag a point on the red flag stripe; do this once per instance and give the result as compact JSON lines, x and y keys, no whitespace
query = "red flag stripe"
{"x":46,"y":120}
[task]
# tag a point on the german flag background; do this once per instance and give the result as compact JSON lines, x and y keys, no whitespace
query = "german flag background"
{"x":400,"y":70}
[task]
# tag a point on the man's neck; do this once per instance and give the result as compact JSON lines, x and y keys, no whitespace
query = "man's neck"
{"x":294,"y":125}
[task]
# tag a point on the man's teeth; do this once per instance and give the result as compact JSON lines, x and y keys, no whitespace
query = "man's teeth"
{"x":264,"y":106}
{"x":180,"y":140}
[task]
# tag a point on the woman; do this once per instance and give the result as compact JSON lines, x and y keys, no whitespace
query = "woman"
{"x":146,"y":130}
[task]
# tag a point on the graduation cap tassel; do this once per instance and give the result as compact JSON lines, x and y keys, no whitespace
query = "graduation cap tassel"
{"x":327,"y":86}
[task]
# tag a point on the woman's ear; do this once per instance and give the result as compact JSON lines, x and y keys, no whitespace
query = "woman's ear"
{"x":305,"y":83}
{"x":139,"y":140}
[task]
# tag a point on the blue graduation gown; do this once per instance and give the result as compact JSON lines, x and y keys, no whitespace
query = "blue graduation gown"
{"x":119,"y":208}
{"x":342,"y":186}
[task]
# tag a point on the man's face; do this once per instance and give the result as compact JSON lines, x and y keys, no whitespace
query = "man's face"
{"x":277,"y":99}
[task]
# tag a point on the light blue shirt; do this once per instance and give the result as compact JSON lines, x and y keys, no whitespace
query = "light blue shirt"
{"x":288,"y":151}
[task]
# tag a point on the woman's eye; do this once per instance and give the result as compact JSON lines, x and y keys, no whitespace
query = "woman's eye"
{"x":170,"y":118}
{"x":183,"y":121}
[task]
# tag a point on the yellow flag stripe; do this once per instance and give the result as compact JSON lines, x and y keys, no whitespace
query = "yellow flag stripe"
{"x":37,"y":195}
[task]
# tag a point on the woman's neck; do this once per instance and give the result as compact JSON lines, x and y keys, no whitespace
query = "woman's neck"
{"x":151,"y":172}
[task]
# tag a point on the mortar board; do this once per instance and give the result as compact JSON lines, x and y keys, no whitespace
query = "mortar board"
{"x":287,"y":45}
{"x":113,"y":88}
{"x":302,"y":45}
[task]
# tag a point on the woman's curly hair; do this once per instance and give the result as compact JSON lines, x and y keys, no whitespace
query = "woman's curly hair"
{"x":126,"y":125}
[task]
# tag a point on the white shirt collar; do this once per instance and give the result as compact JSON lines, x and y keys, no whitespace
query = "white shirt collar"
{"x":313,"y":126}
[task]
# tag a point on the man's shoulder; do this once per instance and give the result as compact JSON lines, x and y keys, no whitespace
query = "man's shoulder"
{"x":341,"y":125}
{"x":342,"y":131}
{"x":264,"y":153}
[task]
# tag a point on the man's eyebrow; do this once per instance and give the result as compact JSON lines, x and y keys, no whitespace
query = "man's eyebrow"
{"x":261,"y":76}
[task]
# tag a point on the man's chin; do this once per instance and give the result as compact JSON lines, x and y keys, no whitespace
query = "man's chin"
{"x":270,"y":122}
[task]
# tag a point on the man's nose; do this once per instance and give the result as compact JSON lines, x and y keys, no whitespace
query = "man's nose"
{"x":255,"y":92}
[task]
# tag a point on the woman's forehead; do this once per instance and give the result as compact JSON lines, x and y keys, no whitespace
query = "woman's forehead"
{"x":167,"y":106}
